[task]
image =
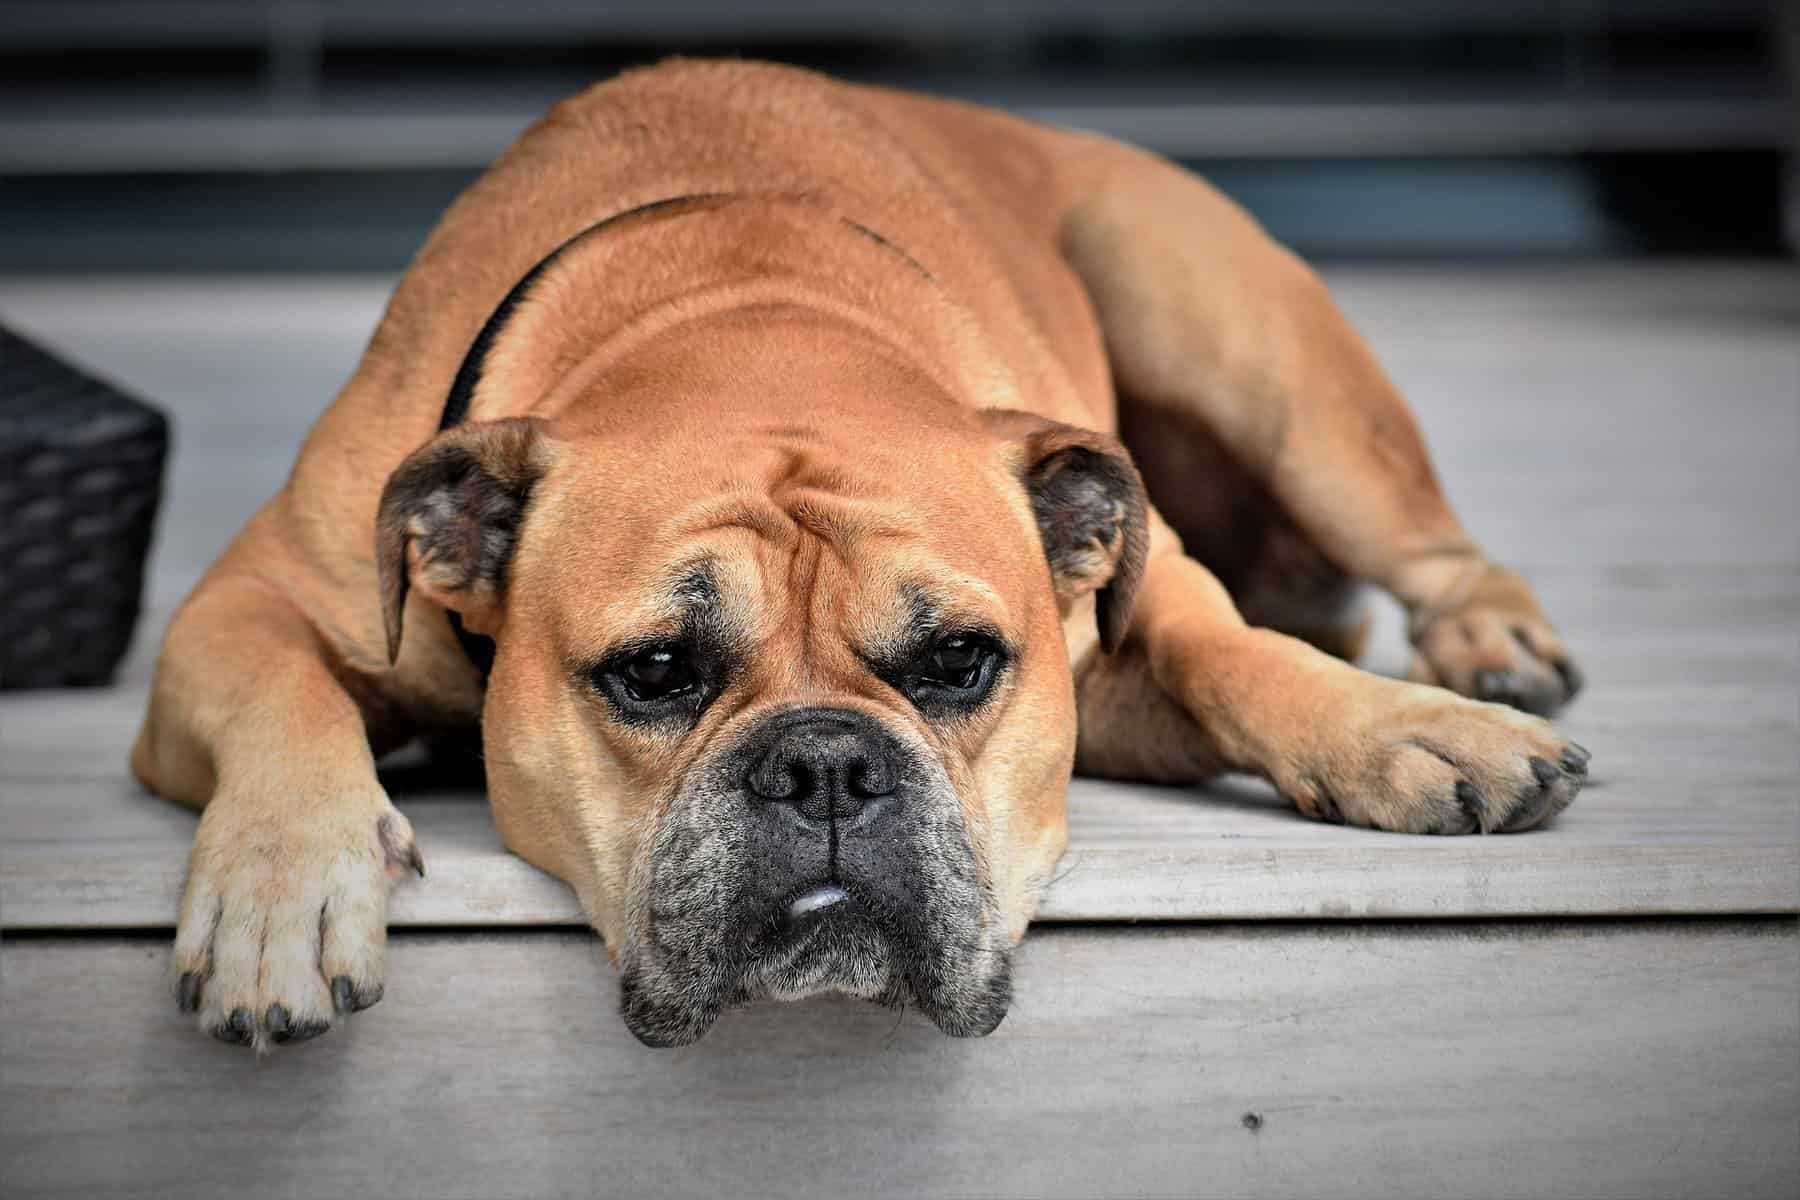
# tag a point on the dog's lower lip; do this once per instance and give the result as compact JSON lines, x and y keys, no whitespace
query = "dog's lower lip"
{"x":821,"y":897}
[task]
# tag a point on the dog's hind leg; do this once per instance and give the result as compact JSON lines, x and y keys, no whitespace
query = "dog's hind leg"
{"x":282,"y":926}
{"x":1211,"y":326}
{"x":1277,"y":575}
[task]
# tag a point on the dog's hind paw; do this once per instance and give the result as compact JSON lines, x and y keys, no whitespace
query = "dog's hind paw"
{"x":1494,"y":644}
{"x":283,"y":926}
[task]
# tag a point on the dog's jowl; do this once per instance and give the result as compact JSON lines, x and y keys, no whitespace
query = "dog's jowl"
{"x":797,"y":482}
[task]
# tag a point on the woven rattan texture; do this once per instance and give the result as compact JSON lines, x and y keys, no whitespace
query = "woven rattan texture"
{"x":81,"y":468}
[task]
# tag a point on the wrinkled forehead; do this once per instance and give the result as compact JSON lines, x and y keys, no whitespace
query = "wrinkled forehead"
{"x":763,"y":539}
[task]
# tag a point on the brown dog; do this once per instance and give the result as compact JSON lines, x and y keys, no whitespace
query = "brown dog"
{"x":775,"y":532}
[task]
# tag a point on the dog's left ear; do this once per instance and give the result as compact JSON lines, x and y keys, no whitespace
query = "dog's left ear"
{"x":449,"y":519}
{"x":1090,"y":510}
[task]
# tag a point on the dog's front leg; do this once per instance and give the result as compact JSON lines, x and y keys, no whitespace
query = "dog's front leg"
{"x":1342,"y":744}
{"x":283,"y":923}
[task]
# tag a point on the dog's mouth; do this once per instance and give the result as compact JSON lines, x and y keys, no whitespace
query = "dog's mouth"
{"x":828,"y":937}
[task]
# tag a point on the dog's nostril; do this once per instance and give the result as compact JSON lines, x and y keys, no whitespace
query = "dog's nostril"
{"x":777,"y":778}
{"x":873,"y":776}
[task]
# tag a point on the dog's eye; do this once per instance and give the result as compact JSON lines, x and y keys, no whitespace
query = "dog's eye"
{"x":664,"y":684}
{"x":961,"y":662}
{"x":658,"y":674}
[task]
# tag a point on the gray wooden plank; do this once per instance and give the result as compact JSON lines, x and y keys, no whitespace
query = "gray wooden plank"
{"x":1692,"y":716}
{"x":1602,"y":415}
{"x":1612,"y":1059}
{"x":88,"y":856}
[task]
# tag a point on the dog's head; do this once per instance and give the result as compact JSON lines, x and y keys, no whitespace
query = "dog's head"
{"x":781,"y":687}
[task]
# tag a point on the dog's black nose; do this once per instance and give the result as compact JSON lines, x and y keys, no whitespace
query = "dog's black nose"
{"x":827,"y":764}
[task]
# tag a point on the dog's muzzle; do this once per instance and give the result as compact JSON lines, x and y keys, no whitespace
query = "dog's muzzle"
{"x":820,"y":852}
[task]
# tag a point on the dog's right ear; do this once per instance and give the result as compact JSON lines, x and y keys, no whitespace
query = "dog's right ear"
{"x":1091,"y":511}
{"x":449,"y":519}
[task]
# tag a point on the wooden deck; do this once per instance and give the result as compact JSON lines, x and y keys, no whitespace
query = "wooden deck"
{"x":1219,"y":998}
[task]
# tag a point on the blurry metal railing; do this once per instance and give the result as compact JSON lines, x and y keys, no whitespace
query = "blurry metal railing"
{"x":287,"y":115}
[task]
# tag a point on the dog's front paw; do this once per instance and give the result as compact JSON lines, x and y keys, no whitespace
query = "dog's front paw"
{"x":283,"y":926}
{"x":1413,"y":759}
{"x":1493,"y":643}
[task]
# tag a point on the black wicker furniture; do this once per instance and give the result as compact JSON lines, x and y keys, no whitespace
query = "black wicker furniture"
{"x":81,"y":467}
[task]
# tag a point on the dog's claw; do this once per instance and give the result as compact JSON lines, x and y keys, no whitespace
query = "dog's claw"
{"x":1471,"y":805}
{"x":1491,"y":685}
{"x":1536,"y":801}
{"x":285,"y":1032}
{"x":1472,"y":802}
{"x":347,"y":998}
{"x":238,"y":1030}
{"x":1329,"y":810}
{"x":1571,"y":678}
{"x":187,"y":994}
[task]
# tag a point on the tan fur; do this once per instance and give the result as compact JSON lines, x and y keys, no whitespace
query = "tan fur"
{"x":756,"y":377}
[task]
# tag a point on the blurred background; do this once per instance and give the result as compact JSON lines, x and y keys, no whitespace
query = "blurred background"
{"x":1572,"y":204}
{"x":229,"y":135}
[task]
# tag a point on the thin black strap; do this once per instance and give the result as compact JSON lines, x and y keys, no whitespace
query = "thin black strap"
{"x":480,"y":649}
{"x":468,"y":375}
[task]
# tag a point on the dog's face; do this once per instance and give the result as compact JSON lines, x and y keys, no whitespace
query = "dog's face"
{"x":787,"y":699}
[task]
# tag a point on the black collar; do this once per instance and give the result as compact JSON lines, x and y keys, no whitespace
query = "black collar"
{"x":468,"y":375}
{"x":480,"y":649}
